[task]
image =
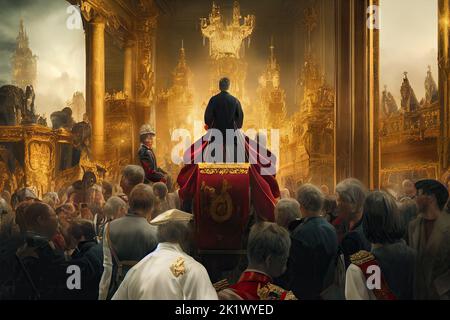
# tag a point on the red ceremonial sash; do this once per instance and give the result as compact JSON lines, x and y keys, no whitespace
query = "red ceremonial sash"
{"x":384,"y":293}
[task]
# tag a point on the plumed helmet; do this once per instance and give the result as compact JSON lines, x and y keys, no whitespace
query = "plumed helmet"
{"x":147,"y":129}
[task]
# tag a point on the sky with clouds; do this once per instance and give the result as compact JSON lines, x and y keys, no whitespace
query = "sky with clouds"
{"x":60,"y":50}
{"x":408,"y":42}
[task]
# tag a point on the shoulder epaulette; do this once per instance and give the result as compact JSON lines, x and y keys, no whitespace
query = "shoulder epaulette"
{"x":361,"y":257}
{"x":273,"y":292}
{"x":290,"y":296}
{"x":221,"y":285}
{"x":178,"y":268}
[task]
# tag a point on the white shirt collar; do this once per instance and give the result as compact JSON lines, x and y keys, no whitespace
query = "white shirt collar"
{"x":169,"y":246}
{"x":254,"y":270}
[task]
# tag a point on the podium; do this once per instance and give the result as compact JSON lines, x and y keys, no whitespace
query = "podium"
{"x":221,"y":210}
{"x":221,"y":205}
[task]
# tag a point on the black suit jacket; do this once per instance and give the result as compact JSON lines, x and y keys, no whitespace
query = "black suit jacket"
{"x":224,"y":112}
{"x":314,"y":247}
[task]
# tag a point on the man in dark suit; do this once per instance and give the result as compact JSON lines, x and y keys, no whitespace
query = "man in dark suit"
{"x":38,"y":270}
{"x":224,"y":111}
{"x":429,"y":235}
{"x":314,"y":247}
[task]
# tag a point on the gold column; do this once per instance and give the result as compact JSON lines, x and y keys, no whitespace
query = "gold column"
{"x":129,"y":50}
{"x":373,"y":69}
{"x":343,"y":141}
{"x":444,"y":84}
{"x":88,"y":42}
{"x":97,"y":81}
{"x":357,"y":151}
{"x":145,"y":70}
{"x":129,"y":80}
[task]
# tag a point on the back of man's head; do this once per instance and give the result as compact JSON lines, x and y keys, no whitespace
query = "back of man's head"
{"x":224,"y":84}
{"x":353,"y":192}
{"x":20,"y":216}
{"x":82,"y":230}
{"x":21,"y":195}
{"x":142,"y":199}
{"x":40,"y":218}
{"x":107,"y":188}
{"x":113,"y":207}
{"x":133,"y":174}
{"x":174,"y":232}
{"x":160,"y":190}
{"x":268,"y":246}
{"x":286,"y":211}
{"x":310,"y":198}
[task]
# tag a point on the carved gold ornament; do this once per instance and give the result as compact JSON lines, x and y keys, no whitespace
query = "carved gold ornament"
{"x":178,"y":268}
{"x":221,"y":207}
{"x":226,"y":39}
{"x":40,"y":156}
{"x":223,"y":168}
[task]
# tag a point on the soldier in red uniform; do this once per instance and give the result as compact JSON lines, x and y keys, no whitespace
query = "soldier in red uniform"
{"x":267,"y":251}
{"x":147,"y":156}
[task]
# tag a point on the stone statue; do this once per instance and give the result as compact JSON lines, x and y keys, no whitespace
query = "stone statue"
{"x":62,"y":119}
{"x":16,"y":106}
{"x":81,"y":133}
{"x":28,"y":114}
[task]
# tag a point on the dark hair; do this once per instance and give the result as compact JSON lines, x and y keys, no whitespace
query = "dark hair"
{"x":20,"y":215}
{"x":80,"y":228}
{"x":434,"y":188}
{"x":160,"y":190}
{"x":330,"y":206}
{"x":89,"y":179}
{"x":382,"y":222}
{"x":174,"y":231}
{"x":142,"y":198}
{"x":107,"y":187}
{"x":224,"y":84}
{"x":34,"y":211}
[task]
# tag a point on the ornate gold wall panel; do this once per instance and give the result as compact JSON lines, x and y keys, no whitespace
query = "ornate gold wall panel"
{"x":39,"y":166}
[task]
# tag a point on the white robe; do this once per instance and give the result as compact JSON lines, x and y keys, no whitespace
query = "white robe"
{"x":355,"y":285}
{"x":153,"y":279}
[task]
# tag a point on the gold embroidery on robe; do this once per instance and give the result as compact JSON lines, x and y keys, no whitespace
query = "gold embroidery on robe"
{"x":361,"y":257}
{"x":178,"y":268}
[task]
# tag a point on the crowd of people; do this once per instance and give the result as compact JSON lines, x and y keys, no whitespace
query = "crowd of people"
{"x":132,"y":241}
